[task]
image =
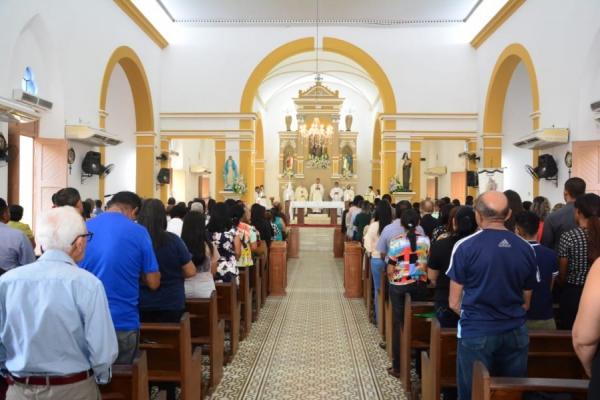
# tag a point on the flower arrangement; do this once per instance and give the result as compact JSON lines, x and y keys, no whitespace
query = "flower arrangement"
{"x":396,"y":185}
{"x":288,"y":173}
{"x":239,"y":186}
{"x":319,"y":162}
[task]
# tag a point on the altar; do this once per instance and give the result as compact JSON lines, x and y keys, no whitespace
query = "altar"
{"x":332,"y":206}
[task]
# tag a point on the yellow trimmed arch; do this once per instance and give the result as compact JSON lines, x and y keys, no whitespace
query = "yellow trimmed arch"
{"x":496,"y":98}
{"x":343,"y":48}
{"x":144,"y":116}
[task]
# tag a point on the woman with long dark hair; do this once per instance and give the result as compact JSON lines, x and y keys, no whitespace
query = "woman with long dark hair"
{"x":577,"y":250}
{"x":407,"y":273}
{"x":204,"y":256}
{"x":258,"y":220}
{"x":247,"y":234}
{"x":167,"y":303}
{"x":225,"y":239}
{"x":444,"y":219}
{"x":516,"y":206}
{"x":280,"y":221}
{"x":439,"y":260}
{"x":381,"y":218}
{"x":540,"y":207}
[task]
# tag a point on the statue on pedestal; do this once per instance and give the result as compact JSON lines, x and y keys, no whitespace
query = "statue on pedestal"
{"x":406,"y":167}
{"x":230,"y":173}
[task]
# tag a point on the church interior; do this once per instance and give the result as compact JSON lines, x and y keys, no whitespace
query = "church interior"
{"x":308,"y":115}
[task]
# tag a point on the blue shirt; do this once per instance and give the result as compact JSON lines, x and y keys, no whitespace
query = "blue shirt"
{"x":171,"y":293}
{"x":15,"y":248}
{"x":541,"y":299}
{"x":118,"y":254}
{"x":494,"y":267}
{"x":55,"y":320}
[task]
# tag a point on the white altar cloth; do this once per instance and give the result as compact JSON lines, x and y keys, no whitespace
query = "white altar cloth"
{"x":317,"y":204}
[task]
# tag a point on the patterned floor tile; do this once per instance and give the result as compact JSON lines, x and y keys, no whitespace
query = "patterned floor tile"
{"x":312,"y":344}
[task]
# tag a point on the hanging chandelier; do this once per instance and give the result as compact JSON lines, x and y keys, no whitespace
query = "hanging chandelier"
{"x":317,"y":129}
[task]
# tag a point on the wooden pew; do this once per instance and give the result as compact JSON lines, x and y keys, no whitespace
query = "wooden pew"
{"x":264,"y":277}
{"x":415,"y":335}
{"x":368,"y":286}
{"x":388,"y":327}
{"x":229,"y":310}
{"x":488,"y":388}
{"x":129,"y":382}
{"x":245,"y":295}
{"x":170,"y":357}
{"x":255,"y":287}
{"x":209,"y":331}
{"x":547,"y":350}
{"x":381,"y":301}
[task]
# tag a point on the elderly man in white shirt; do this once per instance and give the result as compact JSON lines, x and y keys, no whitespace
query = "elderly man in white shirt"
{"x":57,"y":339}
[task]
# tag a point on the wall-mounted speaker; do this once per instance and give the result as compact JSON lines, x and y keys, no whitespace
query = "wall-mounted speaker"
{"x":91,"y":163}
{"x":472,"y":179}
{"x":164,"y":176}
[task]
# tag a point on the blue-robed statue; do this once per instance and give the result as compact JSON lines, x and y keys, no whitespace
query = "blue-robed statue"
{"x":230,"y":173}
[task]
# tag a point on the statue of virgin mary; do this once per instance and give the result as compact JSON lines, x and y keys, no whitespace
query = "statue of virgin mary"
{"x":230,"y":173}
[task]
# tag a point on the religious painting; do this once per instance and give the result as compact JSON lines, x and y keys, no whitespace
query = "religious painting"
{"x":288,"y":160}
{"x":491,"y":180}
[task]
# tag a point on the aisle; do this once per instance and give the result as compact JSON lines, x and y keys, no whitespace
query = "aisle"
{"x":311,"y":344}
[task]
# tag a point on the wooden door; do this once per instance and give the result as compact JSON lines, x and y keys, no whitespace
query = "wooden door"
{"x":586,"y":164}
{"x":432,"y":188}
{"x":15,"y":131}
{"x":458,"y":185}
{"x":49,"y":172}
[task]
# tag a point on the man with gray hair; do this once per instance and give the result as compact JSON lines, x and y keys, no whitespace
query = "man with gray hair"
{"x":492,"y":274}
{"x":428,"y":222}
{"x":57,"y":339}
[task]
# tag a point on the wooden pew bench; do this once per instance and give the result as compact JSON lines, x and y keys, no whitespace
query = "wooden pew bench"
{"x":488,"y":388}
{"x":547,"y":350}
{"x":170,"y":357}
{"x":245,"y":295}
{"x":208,"y":331}
{"x":368,"y":286}
{"x":255,"y":288}
{"x":129,"y":382}
{"x":415,"y":335}
{"x":229,"y":311}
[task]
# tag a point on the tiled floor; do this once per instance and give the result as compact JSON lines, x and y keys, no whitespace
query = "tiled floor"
{"x":311,"y":344}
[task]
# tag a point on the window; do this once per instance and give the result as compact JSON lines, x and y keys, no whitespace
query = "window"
{"x":28,"y":83}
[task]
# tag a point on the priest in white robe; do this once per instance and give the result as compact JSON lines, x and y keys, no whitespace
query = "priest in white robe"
{"x":316,"y":193}
{"x":348,"y":193}
{"x":301,"y":194}
{"x":336,"y":193}
{"x":370,"y":195}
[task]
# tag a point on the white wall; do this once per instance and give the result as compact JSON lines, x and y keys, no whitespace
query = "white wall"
{"x":68,"y":44}
{"x":442,"y":153}
{"x":516,"y":124}
{"x":192,"y":152}
{"x":563,"y":39}
{"x":121,"y":123}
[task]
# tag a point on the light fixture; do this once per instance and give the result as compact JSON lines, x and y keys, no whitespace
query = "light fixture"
{"x":317,"y":129}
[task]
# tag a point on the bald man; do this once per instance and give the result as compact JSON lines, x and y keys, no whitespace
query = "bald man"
{"x":492,"y":273}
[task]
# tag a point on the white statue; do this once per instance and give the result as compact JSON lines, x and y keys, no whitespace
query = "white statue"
{"x":230,"y":173}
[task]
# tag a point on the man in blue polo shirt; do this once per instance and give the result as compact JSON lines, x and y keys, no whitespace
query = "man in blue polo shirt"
{"x":121,"y":255}
{"x":492,"y":274}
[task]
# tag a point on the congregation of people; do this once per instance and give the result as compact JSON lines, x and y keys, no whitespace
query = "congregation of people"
{"x":498,"y":267}
{"x":102,"y":271}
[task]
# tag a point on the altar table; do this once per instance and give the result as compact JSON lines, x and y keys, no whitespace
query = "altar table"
{"x":331,"y":205}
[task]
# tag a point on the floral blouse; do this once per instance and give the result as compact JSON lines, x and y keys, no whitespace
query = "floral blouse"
{"x":227,"y":270}
{"x":411,"y":266}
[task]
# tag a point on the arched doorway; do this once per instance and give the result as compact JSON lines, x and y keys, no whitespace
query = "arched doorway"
{"x":131,"y":64}
{"x":388,"y":163}
{"x":513,"y":62}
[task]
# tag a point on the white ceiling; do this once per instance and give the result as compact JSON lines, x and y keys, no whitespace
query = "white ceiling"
{"x":335,"y":12}
{"x":337,"y":72}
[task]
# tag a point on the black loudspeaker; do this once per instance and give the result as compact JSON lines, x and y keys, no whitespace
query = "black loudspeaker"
{"x":164,"y":176}
{"x":91,"y":163}
{"x":547,"y":167}
{"x":472,"y":179}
